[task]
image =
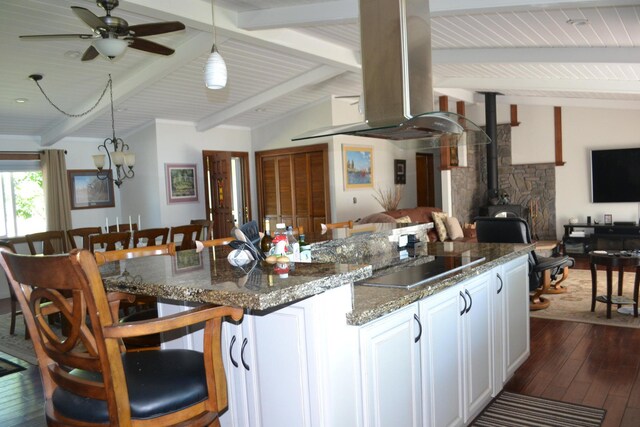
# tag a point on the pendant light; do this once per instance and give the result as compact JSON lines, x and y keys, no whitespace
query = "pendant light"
{"x":215,"y":70}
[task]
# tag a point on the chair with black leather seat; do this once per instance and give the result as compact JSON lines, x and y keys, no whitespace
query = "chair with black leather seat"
{"x":544,"y":272}
{"x":88,"y":378}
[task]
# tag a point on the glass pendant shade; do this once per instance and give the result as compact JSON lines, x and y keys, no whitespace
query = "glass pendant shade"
{"x":98,"y":161}
{"x":110,"y":47}
{"x":215,"y":70}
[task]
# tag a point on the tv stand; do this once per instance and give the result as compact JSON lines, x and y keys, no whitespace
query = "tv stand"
{"x":600,"y":237}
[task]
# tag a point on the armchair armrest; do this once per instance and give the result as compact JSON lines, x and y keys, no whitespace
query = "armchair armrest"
{"x":174,"y":321}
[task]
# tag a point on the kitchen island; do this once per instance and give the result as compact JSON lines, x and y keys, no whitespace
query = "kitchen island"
{"x":314,"y":349}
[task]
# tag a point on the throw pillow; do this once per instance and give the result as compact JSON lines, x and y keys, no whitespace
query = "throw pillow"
{"x":454,"y":230}
{"x":441,"y":229}
{"x":404,"y":219}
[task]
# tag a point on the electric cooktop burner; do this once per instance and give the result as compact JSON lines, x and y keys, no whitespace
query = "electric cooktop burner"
{"x":417,"y":275}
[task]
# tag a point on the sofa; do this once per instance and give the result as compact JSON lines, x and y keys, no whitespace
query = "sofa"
{"x":422,"y":214}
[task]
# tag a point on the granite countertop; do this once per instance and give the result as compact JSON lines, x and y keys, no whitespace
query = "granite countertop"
{"x":198,"y":277}
{"x":370,"y":303}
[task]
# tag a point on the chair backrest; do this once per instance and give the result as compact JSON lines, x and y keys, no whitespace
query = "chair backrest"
{"x":109,"y":241}
{"x":343,"y":224}
{"x":7,"y":245}
{"x":150,"y":236}
{"x":189,"y":234}
{"x":122,"y":227}
{"x":108,"y":256}
{"x":502,"y":230}
{"x":89,"y":364}
{"x":48,"y":242}
{"x":83,"y":235}
{"x":207,"y":228}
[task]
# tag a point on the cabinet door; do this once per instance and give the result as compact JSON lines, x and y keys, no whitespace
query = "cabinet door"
{"x":239,"y":413}
{"x":391,"y":385}
{"x":478,"y":349}
{"x":442,"y":358}
{"x":516,"y":316}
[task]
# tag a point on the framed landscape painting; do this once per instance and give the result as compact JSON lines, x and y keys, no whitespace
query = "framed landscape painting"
{"x":87,"y":191}
{"x":182,"y":183}
{"x":358,"y":166}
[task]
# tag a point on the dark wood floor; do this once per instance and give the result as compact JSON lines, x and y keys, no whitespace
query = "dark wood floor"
{"x":582,"y":363}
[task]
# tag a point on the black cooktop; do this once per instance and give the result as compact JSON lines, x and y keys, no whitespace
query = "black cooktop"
{"x":420,"y":274}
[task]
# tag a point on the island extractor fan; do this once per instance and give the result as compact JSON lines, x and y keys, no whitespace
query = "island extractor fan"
{"x":111,"y":35}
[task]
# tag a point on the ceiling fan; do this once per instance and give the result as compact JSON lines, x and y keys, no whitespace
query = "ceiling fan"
{"x":111,"y":35}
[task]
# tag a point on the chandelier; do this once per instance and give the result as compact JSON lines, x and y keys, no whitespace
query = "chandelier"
{"x":120,"y":157}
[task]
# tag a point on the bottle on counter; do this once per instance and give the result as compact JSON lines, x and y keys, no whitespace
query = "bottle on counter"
{"x":294,"y":246}
{"x":266,"y":242}
{"x":280,"y":242}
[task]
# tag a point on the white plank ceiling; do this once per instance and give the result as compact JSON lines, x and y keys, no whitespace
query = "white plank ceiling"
{"x":285,"y":54}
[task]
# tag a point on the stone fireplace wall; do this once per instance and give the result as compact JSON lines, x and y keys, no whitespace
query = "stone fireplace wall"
{"x":532,"y":186}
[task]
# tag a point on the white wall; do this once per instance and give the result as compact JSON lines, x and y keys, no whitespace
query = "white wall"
{"x":180,"y":142}
{"x":585,"y":129}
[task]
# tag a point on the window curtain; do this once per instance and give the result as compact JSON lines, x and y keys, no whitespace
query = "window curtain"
{"x":56,"y":190}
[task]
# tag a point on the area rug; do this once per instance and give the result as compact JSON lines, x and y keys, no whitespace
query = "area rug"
{"x":517,"y":410}
{"x":7,"y":367}
{"x":575,"y":304}
{"x":16,"y":345}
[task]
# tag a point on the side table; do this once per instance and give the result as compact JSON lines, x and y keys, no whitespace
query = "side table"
{"x":611,"y":260}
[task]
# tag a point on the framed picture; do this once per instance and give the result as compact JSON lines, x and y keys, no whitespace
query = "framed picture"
{"x":87,"y":191}
{"x":608,"y":219}
{"x":357,"y":166}
{"x":399,"y":166}
{"x":182,"y":183}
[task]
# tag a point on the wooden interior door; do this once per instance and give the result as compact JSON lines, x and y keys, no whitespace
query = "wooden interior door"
{"x":217,"y":170}
{"x":293,"y":186}
{"x":425,"y":180}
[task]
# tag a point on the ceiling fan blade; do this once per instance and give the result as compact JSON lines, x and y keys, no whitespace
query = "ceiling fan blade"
{"x":156,"y":28}
{"x":58,"y":36}
{"x":90,"y":54}
{"x":148,"y":46}
{"x":89,"y":18}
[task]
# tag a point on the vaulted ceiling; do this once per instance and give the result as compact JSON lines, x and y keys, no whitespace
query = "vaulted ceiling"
{"x":283,"y":55}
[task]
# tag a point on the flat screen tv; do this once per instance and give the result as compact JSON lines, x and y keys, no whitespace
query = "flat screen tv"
{"x":615,"y":175}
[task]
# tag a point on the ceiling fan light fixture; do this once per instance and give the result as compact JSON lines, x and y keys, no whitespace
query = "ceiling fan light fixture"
{"x":215,"y":70}
{"x":110,"y":47}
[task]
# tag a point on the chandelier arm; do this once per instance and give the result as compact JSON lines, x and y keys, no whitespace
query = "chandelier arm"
{"x":104,"y":91}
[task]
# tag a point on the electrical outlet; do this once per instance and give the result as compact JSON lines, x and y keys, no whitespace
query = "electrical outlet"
{"x":355,"y":200}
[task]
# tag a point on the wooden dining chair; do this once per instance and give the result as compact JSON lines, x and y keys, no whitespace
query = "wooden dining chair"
{"x":109,"y":241}
{"x":88,"y":378}
{"x":207,"y":228}
{"x":83,"y":235}
{"x":187,"y":234}
{"x":213,"y":243}
{"x":150,"y":237}
{"x":122,"y":227}
{"x":15,"y":311}
{"x":47,"y":242}
{"x":128,"y":253}
{"x":344,"y":224}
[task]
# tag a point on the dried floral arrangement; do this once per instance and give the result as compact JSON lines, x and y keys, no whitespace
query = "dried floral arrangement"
{"x":389,"y":199}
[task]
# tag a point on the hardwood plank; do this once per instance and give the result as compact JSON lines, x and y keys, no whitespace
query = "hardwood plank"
{"x":631,"y":417}
{"x":615,"y":407}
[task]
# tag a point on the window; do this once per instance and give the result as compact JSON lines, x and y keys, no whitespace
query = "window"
{"x":23,"y":206}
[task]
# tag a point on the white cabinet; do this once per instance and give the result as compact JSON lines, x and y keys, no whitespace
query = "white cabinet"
{"x":511,"y":321}
{"x":457,"y":352}
{"x":442,"y":359}
{"x":390,"y":355}
{"x":294,"y":366}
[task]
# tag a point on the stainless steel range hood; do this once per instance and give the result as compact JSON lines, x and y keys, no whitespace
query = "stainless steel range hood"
{"x":395,"y":37}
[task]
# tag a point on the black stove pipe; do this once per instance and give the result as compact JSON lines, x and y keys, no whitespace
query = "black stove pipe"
{"x":492,"y":148}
